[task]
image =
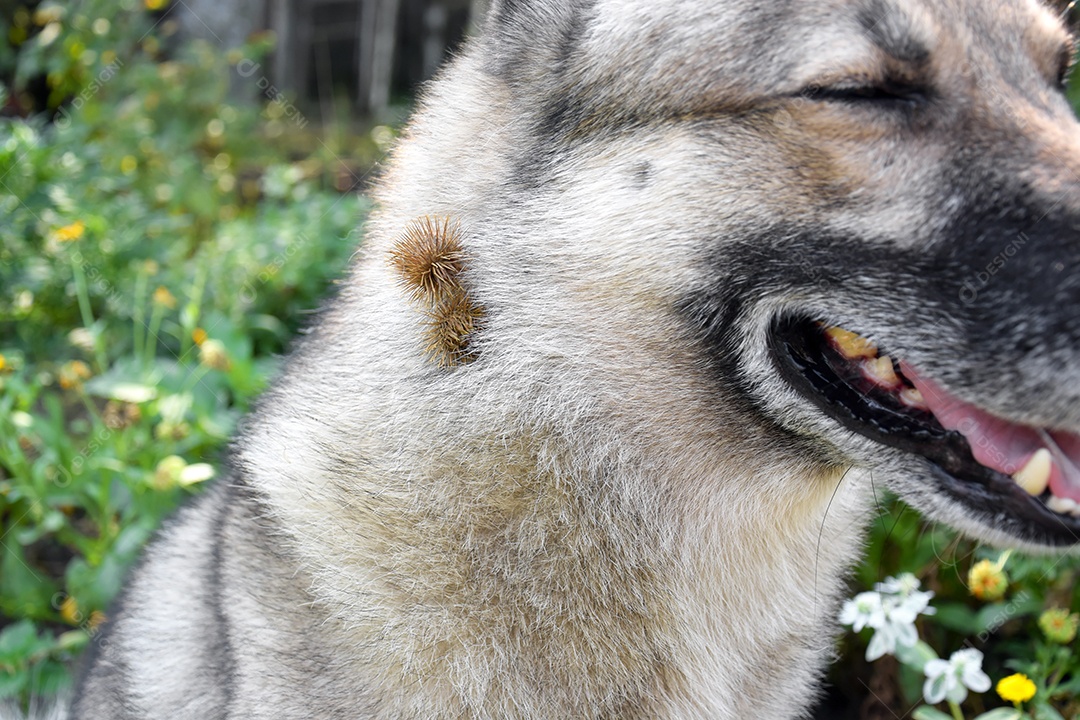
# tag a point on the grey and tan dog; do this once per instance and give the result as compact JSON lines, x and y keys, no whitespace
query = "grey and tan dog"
{"x":655,"y":291}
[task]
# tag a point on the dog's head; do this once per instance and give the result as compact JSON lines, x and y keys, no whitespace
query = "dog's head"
{"x":866,"y":211}
{"x":920,"y":303}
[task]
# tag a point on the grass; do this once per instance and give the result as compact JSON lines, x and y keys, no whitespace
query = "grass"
{"x":161,"y":243}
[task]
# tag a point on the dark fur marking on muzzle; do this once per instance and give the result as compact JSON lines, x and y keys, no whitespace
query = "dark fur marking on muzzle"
{"x":914,"y":296}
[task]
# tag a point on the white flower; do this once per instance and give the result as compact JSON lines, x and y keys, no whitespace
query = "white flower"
{"x":888,"y":637}
{"x":903,"y":585}
{"x":918,"y":603}
{"x":890,"y":612}
{"x":906,"y":589}
{"x":951,"y":679}
{"x":863,"y":611}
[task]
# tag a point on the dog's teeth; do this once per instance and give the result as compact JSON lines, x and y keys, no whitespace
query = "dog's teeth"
{"x":1061,"y":505}
{"x":1035,"y":476}
{"x":913,"y":398}
{"x":880,"y":370}
{"x":850,"y":345}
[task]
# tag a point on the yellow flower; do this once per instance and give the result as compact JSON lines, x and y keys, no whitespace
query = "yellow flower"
{"x":120,"y":415}
{"x":198,"y":335}
{"x":154,"y":4}
{"x":3,"y":363}
{"x":163,"y":297}
{"x":1059,"y":625}
{"x":987,"y":581}
{"x":69,"y":610}
{"x":72,"y":232}
{"x":213,"y":355}
{"x":73,"y":373}
{"x":96,"y":618}
{"x":168,"y":430}
{"x":167,"y":472}
{"x":1016,"y":688}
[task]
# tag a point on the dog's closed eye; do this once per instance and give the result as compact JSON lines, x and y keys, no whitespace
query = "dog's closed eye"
{"x":882,"y":93}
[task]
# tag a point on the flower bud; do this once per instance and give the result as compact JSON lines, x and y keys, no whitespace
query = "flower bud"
{"x":987,"y":581}
{"x":1058,"y":625}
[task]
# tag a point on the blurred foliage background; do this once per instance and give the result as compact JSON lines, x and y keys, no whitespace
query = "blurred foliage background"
{"x":159,"y":244}
{"x":161,"y":240}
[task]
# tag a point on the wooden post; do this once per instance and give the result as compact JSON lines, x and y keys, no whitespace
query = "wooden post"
{"x":285,"y":50}
{"x":378,"y":40}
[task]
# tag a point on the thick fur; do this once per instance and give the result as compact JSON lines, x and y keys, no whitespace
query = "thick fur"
{"x":618,"y":508}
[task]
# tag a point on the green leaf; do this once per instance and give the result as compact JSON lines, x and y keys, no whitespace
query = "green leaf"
{"x":911,"y":682}
{"x":18,"y":641}
{"x":928,"y":713}
{"x":916,"y":656}
{"x":1069,"y":687}
{"x":130,"y":541}
{"x":993,"y":616}
{"x":957,"y":617}
{"x":13,"y":682}
{"x":72,"y":640}
{"x":23,"y":591}
{"x":49,"y":678}
{"x":1001,"y":714}
{"x":1044,"y":711}
{"x":94,"y":587}
{"x":174,"y":408}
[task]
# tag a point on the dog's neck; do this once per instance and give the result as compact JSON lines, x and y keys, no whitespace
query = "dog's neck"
{"x":576,"y":523}
{"x":534,"y":575}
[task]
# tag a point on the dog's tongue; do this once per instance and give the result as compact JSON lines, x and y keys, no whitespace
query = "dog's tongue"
{"x":999,"y":444}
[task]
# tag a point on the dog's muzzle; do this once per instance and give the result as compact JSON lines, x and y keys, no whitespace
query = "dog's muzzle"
{"x":983,"y":461}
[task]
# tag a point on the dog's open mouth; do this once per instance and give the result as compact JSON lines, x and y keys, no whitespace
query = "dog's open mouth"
{"x":1023,"y":475}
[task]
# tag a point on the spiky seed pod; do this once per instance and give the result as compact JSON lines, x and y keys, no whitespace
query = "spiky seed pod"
{"x":429,"y":258}
{"x":450,"y":326}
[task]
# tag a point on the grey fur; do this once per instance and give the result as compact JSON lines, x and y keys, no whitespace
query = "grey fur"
{"x":619,"y":509}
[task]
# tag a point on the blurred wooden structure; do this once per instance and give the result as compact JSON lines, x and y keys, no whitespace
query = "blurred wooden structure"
{"x":378,"y":46}
{"x":369,"y":50}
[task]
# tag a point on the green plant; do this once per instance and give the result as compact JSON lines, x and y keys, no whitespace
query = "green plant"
{"x":1016,"y":613}
{"x":157,"y":253}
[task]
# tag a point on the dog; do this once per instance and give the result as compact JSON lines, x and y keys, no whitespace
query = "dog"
{"x":655,"y":296}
